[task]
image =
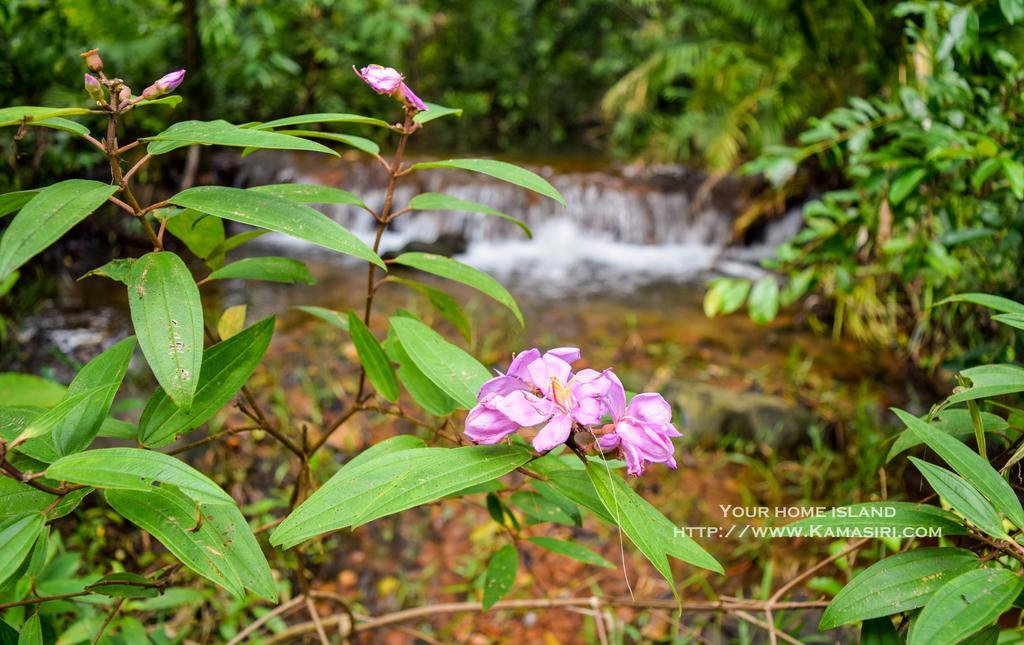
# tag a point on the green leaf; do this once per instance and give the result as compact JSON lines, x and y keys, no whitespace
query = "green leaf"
{"x":954,"y":422}
{"x":969,"y":465}
{"x":118,"y":429}
{"x":202,"y":234}
{"x":8,"y":635}
{"x":236,"y":541}
{"x":442,"y":202}
{"x":124,"y":584}
{"x":236,"y":241}
{"x":573,"y":484}
{"x":990,"y":380}
{"x":54,"y":417}
{"x":17,"y":498}
{"x":275,"y":214}
{"x":102,"y":376}
{"x":386,"y":447}
{"x":118,"y":270}
{"x":222,"y":133}
{"x":867,"y":518}
{"x":168,"y":318}
{"x":10,"y":202}
{"x":998,"y":303}
{"x":499,"y":170}
{"x":58,"y":123}
{"x":29,"y":390}
{"x":964,"y":605}
{"x":1013,"y":320}
{"x":136,"y":469}
{"x":442,"y":303}
{"x":321,"y":117}
{"x":17,"y":534}
{"x":451,"y":369}
{"x":420,"y":388}
{"x":376,"y":363}
{"x":963,"y":497}
{"x":500,"y":575}
{"x":572,"y":550}
{"x":551,"y":494}
{"x":310,"y":194}
{"x":899,"y":583}
{"x":335,"y":318}
{"x":725,"y":296}
{"x":170,"y":599}
{"x":172,"y":518}
{"x":435,"y":111}
{"x":650,"y":531}
{"x":393,"y":482}
{"x":763,"y":303}
{"x":172,"y":101}
{"x":269,"y":269}
{"x":450,"y":269}
{"x":1013,"y":10}
{"x":987,"y":636}
{"x":540,"y":509}
{"x":30,"y":114}
{"x":359,"y":143}
{"x":1013,"y":170}
{"x":905,"y":184}
{"x":48,"y":216}
{"x":31,"y":631}
{"x":226,"y":367}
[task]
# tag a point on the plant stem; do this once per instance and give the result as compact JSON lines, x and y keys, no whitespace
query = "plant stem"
{"x":385,"y":214}
{"x":110,"y":617}
{"x":121,"y":181}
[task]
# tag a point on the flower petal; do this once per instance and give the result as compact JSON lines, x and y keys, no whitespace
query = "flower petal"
{"x":486,"y":425}
{"x":383,"y":80}
{"x":518,"y":365}
{"x":608,"y":441}
{"x":554,"y":433}
{"x":650,"y":408}
{"x":523,"y":407}
{"x":615,"y":397}
{"x":411,"y":98}
{"x":542,"y":372}
{"x":634,"y":460}
{"x":588,"y":411}
{"x":500,"y":385}
{"x":568,"y":354}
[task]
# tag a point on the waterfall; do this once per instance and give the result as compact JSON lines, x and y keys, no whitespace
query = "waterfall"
{"x":623,"y":226}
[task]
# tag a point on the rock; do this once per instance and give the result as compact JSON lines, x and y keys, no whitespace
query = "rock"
{"x":711,"y":412}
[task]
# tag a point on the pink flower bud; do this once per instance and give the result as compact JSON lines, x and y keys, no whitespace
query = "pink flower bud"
{"x":388,"y":80}
{"x":93,"y":60}
{"x":164,"y":84}
{"x":93,"y":88}
{"x":383,"y":80}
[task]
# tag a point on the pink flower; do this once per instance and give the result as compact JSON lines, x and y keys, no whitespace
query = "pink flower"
{"x":643,"y":429}
{"x":164,"y":84}
{"x":538,"y":389}
{"x":389,"y":81}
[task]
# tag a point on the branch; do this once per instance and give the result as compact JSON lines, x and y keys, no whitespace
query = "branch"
{"x":134,"y":169}
{"x":730,"y":606}
{"x":110,"y":617}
